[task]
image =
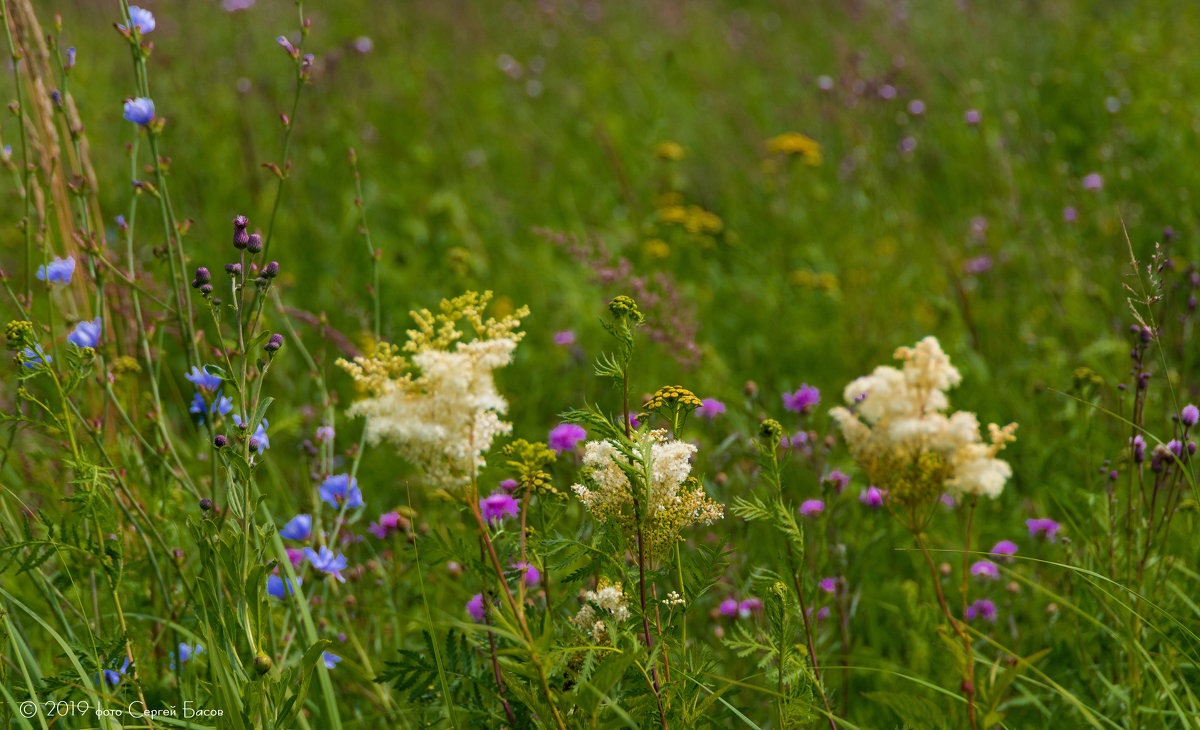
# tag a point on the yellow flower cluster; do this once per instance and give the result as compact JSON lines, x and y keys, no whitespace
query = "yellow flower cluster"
{"x":823,"y":281}
{"x":530,"y":459}
{"x":794,"y":143}
{"x":440,"y":331}
{"x":671,"y":151}
{"x":670,"y":396}
{"x":692,"y":218}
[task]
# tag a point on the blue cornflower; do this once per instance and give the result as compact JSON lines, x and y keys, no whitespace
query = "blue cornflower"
{"x":260,"y":435}
{"x":185,"y":653}
{"x":298,"y":529}
{"x":326,"y":562}
{"x":86,"y":334}
{"x":141,"y":19}
{"x":58,"y":270}
{"x":339,"y":489}
{"x":202,"y":379}
{"x":139,"y":110}
{"x":275,"y":585}
{"x":331,"y":660}
{"x":69,"y":61}
{"x":112,"y":676}
{"x":33,"y":357}
{"x":221,"y":406}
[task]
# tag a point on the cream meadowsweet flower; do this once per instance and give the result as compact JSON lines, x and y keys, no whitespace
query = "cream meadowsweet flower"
{"x":900,"y":434}
{"x":675,"y":500}
{"x":441,"y":408}
{"x":605,"y":603}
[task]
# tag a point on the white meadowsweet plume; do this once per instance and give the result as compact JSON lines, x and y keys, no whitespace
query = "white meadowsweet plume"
{"x":674,"y":500}
{"x":898,"y":430}
{"x":440,"y":408}
{"x":605,"y":603}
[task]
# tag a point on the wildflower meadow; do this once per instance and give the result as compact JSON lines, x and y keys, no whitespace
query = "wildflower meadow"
{"x":577,"y":364}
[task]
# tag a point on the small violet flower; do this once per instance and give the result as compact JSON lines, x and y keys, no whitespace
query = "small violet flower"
{"x":388,"y":523}
{"x":142,"y":20}
{"x":202,"y":379}
{"x":983,"y":609}
{"x":476,"y":608}
{"x":330,"y":660}
{"x":1189,"y":415}
{"x":829,"y":585}
{"x":140,"y":111}
{"x":530,"y":575}
{"x":566,"y":338}
{"x":872,"y":497}
{"x":112,"y":676}
{"x":1007,"y":548}
{"x":839,"y":479}
{"x":86,"y":334}
{"x":57,"y":271}
{"x":34,"y":357}
{"x":728,"y":607}
{"x":749,"y":607}
{"x":985,"y":569}
{"x":1093,"y":181}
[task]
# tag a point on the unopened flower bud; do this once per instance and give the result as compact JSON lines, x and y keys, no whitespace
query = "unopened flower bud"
{"x":274,"y":343}
{"x":262,"y":663}
{"x":240,"y":236}
{"x":254,"y":244}
{"x":1146,"y":334}
{"x":220,"y":441}
{"x":206,"y":289}
{"x":271,"y":270}
{"x":233,"y":269}
{"x":206,"y":505}
{"x":202,"y":277}
{"x":254,"y":445}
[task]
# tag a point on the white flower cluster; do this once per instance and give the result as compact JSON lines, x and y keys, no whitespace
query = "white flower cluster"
{"x":670,"y":464}
{"x":608,"y":598}
{"x":900,"y":415}
{"x":445,"y":419}
{"x":674,"y":599}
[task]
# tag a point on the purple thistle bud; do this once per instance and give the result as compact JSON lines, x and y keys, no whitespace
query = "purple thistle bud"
{"x":274,"y":343}
{"x":206,"y":505}
{"x":1043,"y":527}
{"x":271,"y":270}
{"x":206,"y":289}
{"x":241,"y":237}
{"x":233,"y":269}
{"x":1146,"y":334}
{"x":254,"y":445}
{"x":1139,"y":449}
{"x":220,"y":441}
{"x":1189,"y":415}
{"x":254,"y":244}
{"x":1143,"y":380}
{"x":202,"y":277}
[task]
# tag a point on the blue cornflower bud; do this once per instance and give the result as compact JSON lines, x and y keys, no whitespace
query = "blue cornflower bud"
{"x":139,"y":110}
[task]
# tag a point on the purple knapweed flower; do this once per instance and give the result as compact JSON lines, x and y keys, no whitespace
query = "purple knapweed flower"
{"x":498,"y":506}
{"x":977,"y":265}
{"x":811,"y":507}
{"x":916,"y":107}
{"x":803,"y":399}
{"x":983,"y":609}
{"x":749,"y":607}
{"x":232,"y":6}
{"x":1069,"y":214}
{"x":838,"y":479}
{"x":1007,"y":548}
{"x":565,"y":436}
{"x":86,"y":334}
{"x":710,"y":408}
{"x":341,"y":489}
{"x":530,"y":575}
{"x":57,"y":271}
{"x":948,"y":500}
{"x":1093,"y":181}
{"x":476,"y":608}
{"x":1139,"y":448}
{"x":296,"y":556}
{"x":275,"y":585}
{"x":139,"y":111}
{"x":1189,"y":415}
{"x":509,"y":485}
{"x":330,"y":660}
{"x":1043,"y":527}
{"x":139,"y":19}
{"x":728,"y":607}
{"x":972,"y":116}
{"x":985,"y":569}
{"x":299,"y":528}
{"x":829,"y":585}
{"x":566,"y":338}
{"x":872,"y":497}
{"x":324,"y":433}
{"x":327,"y":562}
{"x":633,"y":421}
{"x":388,"y":523}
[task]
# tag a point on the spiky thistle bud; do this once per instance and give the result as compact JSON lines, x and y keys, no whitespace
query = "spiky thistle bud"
{"x":271,"y":270}
{"x":274,"y":343}
{"x":202,"y":277}
{"x":255,"y":243}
